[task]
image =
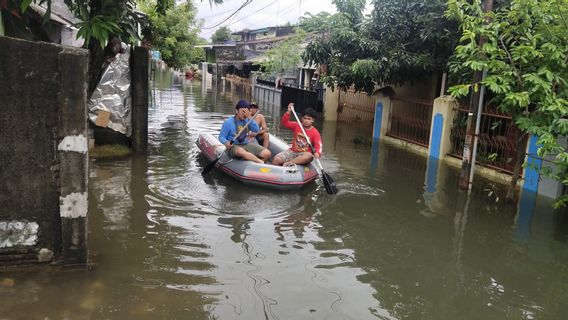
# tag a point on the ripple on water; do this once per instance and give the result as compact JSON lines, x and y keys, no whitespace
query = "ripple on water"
{"x":346,"y":188}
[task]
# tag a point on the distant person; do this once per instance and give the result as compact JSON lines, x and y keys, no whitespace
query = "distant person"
{"x":189,"y":74}
{"x":241,"y":148}
{"x":300,"y":152}
{"x":262,"y":135}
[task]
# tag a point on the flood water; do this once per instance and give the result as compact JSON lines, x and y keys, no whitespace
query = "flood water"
{"x":397,"y":242}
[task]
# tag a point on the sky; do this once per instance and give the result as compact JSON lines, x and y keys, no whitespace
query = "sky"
{"x":258,"y":13}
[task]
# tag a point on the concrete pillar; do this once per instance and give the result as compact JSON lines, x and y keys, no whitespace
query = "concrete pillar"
{"x":442,"y":119}
{"x":375,"y":151}
{"x":435,"y":177}
{"x":204,"y":78}
{"x":534,"y":164}
{"x":524,"y":218}
{"x":29,"y":161}
{"x":328,"y":134}
{"x":331,"y":102}
{"x":72,"y":151}
{"x":140,"y":92}
{"x":382,"y":112}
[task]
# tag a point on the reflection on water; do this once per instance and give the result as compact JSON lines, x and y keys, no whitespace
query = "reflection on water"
{"x":397,"y":242}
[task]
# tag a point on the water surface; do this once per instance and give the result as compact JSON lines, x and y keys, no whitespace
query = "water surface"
{"x":397,"y":242}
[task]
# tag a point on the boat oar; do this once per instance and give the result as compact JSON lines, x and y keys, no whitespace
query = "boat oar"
{"x":211,"y":165}
{"x":328,"y":182}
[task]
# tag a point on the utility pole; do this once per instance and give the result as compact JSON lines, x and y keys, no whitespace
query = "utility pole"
{"x":466,"y":170}
{"x":277,"y":16}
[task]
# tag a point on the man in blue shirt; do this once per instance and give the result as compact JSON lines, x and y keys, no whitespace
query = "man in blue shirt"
{"x":239,"y":147}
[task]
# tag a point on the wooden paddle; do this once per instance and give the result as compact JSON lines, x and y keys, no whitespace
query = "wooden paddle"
{"x":211,"y":165}
{"x":328,"y":182}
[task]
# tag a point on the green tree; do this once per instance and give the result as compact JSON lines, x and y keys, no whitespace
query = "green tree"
{"x":322,"y":22}
{"x":221,"y":35}
{"x":285,"y":57}
{"x":402,"y":40}
{"x":525,"y":56}
{"x":352,"y":10}
{"x":174,"y":34}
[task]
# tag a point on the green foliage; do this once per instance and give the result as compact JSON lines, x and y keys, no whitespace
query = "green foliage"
{"x":22,"y":23}
{"x":352,"y":10}
{"x":401,"y":41}
{"x":221,"y":35}
{"x":322,"y":22}
{"x":174,"y":34}
{"x":285,"y":57}
{"x":525,"y":55}
{"x":99,"y":20}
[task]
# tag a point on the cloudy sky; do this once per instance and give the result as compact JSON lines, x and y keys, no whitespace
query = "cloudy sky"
{"x":258,"y":13}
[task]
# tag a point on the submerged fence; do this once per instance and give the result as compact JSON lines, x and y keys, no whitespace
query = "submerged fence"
{"x":498,"y":136}
{"x":356,"y":107}
{"x":241,"y":84}
{"x":410,"y":120}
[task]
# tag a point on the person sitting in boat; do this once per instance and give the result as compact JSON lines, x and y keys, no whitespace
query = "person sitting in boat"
{"x":262,"y":135}
{"x":300,"y":152}
{"x":239,"y":147}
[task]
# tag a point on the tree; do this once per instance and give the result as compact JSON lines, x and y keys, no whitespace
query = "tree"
{"x":525,"y":56}
{"x":221,"y":35}
{"x":402,"y":41}
{"x":174,"y":34}
{"x":285,"y":57}
{"x":322,"y":22}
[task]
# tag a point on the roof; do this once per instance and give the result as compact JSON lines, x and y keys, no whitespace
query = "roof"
{"x":62,"y":18}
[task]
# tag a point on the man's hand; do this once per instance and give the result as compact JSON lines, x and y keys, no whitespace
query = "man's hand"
{"x":317,"y":155}
{"x":228,"y":145}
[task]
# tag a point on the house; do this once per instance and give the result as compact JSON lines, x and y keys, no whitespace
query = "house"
{"x":62,"y":20}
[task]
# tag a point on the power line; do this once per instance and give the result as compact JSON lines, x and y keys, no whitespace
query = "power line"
{"x":247,"y":2}
{"x":273,"y":2}
{"x":287,"y":10}
{"x":217,"y":14}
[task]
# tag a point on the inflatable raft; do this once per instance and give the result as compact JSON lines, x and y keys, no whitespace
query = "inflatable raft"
{"x":251,"y":173}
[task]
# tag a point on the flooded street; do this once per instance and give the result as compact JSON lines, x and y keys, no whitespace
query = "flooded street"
{"x":398,"y":241}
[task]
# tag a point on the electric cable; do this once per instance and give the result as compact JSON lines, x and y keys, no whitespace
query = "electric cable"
{"x":264,"y":18}
{"x":247,"y":2}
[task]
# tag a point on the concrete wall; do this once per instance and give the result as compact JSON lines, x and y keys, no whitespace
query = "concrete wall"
{"x":424,"y":89}
{"x":43,"y":154}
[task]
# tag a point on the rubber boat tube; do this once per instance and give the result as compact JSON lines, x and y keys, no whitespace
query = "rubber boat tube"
{"x":256,"y":174}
